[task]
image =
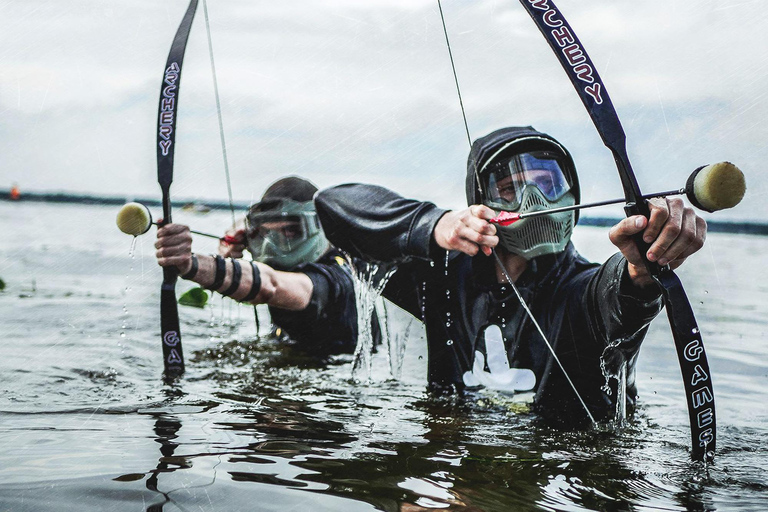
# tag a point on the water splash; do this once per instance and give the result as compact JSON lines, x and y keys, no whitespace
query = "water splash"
{"x":395,"y":343}
{"x":613,"y":364}
{"x":369,"y":280}
{"x":620,"y":418}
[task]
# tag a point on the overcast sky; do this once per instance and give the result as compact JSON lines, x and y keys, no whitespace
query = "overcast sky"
{"x":362,"y":90}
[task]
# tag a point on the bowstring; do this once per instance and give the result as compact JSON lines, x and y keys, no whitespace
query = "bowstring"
{"x":541,"y":332}
{"x":455,"y":76}
{"x":495,"y":254}
{"x":218,"y":111}
{"x":221,"y":137}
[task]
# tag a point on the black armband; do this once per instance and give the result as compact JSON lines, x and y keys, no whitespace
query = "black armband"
{"x":192,"y":271}
{"x":221,"y":273}
{"x":255,"y":284}
{"x":236,"y":273}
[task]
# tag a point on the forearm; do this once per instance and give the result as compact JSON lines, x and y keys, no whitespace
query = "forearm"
{"x":376,"y":224}
{"x":250,"y":282}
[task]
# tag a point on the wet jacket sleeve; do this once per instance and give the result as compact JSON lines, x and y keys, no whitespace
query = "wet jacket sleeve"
{"x":620,"y":308}
{"x":329,"y":322}
{"x":376,"y":224}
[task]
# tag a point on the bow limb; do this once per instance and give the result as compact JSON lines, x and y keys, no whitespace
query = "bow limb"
{"x":690,"y":348}
{"x":173,"y":354}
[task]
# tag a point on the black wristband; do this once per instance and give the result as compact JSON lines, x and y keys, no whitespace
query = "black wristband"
{"x":221,"y":273}
{"x":236,"y":273}
{"x":255,"y":284}
{"x":192,"y":271}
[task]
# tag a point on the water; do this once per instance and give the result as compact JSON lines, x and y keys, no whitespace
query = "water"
{"x":86,"y":422}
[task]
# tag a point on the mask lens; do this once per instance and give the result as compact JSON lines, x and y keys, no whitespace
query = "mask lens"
{"x":506,"y":180}
{"x":284,"y":232}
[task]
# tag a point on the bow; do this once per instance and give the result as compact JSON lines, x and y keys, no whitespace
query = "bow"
{"x":690,"y":347}
{"x":173,"y":354}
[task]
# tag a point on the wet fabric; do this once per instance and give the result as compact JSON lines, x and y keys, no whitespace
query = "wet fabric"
{"x":583,"y":308}
{"x":328,"y":325}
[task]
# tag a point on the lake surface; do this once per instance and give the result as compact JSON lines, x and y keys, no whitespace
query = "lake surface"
{"x":87,"y":423}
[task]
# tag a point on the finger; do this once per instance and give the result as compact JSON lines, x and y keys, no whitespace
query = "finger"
{"x":627,"y":228}
{"x":691,"y":239}
{"x":681,"y":242}
{"x":172,"y":229}
{"x":621,"y":234}
{"x":480,"y":226}
{"x":231,"y":251}
{"x":179,"y":261}
{"x":701,"y":237}
{"x":183,"y":239}
{"x":672,"y":229}
{"x":478,"y":236}
{"x":659,"y":214}
{"x":467,"y":247}
{"x":482,"y":212}
{"x":172,"y":246}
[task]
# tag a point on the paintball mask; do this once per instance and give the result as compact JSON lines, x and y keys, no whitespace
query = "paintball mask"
{"x":284,"y":233}
{"x":527,"y":182}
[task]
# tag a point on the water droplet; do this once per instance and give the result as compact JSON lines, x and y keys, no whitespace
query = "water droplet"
{"x":448,"y":323}
{"x":695,"y":330}
{"x":449,"y":342}
{"x":122,"y":335}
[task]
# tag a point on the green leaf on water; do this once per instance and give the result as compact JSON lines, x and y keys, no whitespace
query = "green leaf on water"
{"x":196,"y":297}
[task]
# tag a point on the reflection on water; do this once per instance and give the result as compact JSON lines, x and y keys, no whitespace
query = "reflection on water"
{"x":86,"y":422}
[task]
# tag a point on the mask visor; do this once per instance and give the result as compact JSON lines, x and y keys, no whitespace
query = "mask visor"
{"x":506,"y":180}
{"x":283,"y":232}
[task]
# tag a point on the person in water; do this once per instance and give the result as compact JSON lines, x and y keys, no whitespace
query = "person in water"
{"x":478,"y":333}
{"x":304,"y":280}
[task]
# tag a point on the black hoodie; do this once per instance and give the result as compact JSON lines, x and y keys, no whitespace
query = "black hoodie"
{"x":586,"y":310}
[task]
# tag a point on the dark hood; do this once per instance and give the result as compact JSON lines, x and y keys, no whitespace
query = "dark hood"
{"x":514,"y":139}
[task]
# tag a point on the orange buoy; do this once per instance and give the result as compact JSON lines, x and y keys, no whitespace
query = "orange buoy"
{"x":15,"y":193}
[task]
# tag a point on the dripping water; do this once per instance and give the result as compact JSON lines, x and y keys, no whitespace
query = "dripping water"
{"x":620,"y":417}
{"x":448,"y":321}
{"x":126,"y":291}
{"x":395,"y":343}
{"x":613,"y":364}
{"x":369,"y":281}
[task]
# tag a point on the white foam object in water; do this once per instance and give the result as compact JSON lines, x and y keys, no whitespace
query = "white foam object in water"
{"x":500,"y":377}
